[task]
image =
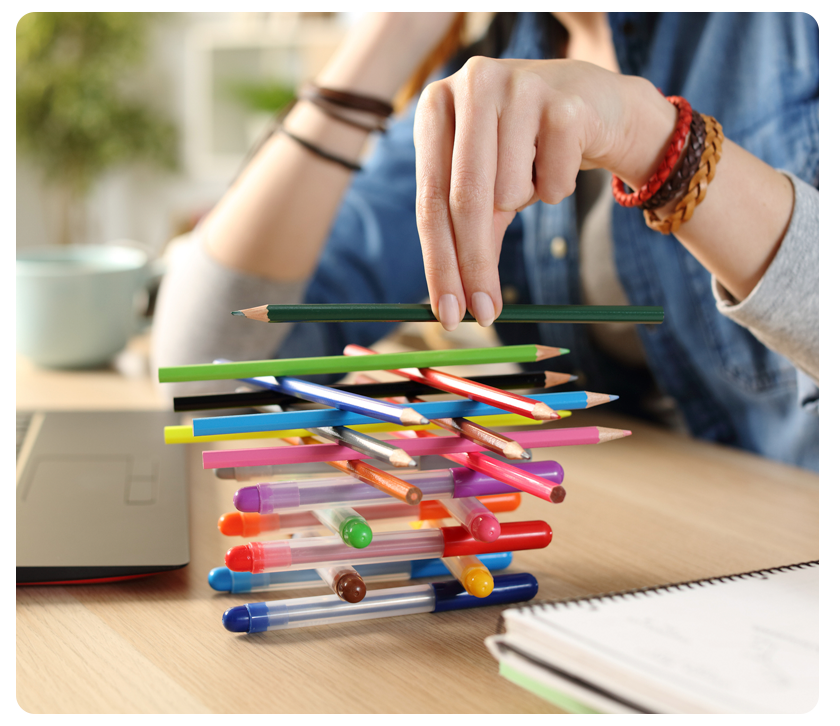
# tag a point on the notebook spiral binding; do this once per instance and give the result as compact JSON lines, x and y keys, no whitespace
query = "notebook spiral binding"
{"x":655,"y":590}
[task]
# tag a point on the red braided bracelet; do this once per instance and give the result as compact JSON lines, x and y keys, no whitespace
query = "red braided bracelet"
{"x":672,"y":155}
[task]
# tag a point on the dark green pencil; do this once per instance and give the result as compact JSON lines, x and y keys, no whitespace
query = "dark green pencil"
{"x":422,"y":313}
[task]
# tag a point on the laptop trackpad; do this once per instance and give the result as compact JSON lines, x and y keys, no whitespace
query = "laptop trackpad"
{"x":91,"y":482}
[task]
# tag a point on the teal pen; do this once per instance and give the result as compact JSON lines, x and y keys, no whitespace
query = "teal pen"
{"x":223,"y":579}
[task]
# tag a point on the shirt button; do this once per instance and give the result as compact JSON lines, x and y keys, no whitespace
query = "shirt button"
{"x":558,"y":248}
{"x":510,"y":294}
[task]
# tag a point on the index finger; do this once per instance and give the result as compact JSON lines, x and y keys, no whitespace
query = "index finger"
{"x":472,"y":191}
{"x":434,"y":133}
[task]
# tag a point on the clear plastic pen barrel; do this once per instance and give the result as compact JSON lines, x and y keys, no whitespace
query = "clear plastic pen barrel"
{"x":302,"y":612}
{"x":335,"y":517}
{"x":298,"y":554}
{"x":335,"y":491}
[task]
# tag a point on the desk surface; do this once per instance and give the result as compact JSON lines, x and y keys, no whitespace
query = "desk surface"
{"x":650,"y":509}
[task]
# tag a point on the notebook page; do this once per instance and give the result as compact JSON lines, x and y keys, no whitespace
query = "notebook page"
{"x":748,"y":644}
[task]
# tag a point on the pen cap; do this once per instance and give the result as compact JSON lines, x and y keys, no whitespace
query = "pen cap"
{"x":531,"y":535}
{"x":469,"y":483}
{"x":516,"y":587}
{"x":247,"y":524}
{"x":223,"y":579}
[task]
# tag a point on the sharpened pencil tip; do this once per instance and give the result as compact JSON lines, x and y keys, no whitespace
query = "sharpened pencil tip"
{"x":553,"y":378}
{"x":545,"y":351}
{"x":597,"y":399}
{"x":238,"y":312}
{"x":514,"y":450}
{"x":607,"y":434}
{"x":401,"y":458}
{"x":410,"y":417}
{"x":543,"y":412}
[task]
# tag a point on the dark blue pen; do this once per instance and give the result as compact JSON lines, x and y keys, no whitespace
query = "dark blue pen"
{"x":435,"y":597}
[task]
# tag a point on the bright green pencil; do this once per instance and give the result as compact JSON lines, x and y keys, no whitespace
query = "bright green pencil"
{"x":422,"y":313}
{"x":347,"y":363}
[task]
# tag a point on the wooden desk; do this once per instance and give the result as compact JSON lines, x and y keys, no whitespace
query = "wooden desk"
{"x":647,"y":510}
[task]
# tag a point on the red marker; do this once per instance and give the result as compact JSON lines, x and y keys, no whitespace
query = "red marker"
{"x":418,"y":544}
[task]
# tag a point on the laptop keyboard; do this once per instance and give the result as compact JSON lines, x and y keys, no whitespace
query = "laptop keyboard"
{"x":23,"y":419}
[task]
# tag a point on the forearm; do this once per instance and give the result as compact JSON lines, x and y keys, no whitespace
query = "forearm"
{"x":274,"y":220}
{"x":782,"y":310}
{"x":736,"y":232}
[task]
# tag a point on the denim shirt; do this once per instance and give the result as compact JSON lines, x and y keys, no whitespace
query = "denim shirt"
{"x":757,"y":73}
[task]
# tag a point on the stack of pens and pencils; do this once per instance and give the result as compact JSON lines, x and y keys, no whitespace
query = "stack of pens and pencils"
{"x":374,"y":478}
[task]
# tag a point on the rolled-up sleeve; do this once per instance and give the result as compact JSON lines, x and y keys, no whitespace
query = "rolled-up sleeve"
{"x":193,"y":321}
{"x":782,"y":311}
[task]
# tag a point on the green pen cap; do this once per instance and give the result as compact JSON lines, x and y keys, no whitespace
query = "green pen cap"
{"x":355,"y":532}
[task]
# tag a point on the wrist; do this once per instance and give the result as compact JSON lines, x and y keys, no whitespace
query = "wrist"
{"x":649,"y":121}
{"x":380,"y":54}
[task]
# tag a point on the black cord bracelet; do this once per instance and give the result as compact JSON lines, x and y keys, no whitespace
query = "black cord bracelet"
{"x":351,"y":165}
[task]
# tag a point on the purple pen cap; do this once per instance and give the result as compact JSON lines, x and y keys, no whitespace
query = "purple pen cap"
{"x":265,"y":498}
{"x":247,"y":499}
{"x":470,"y":483}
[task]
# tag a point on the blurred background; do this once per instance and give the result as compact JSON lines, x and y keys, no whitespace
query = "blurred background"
{"x":131,"y":125}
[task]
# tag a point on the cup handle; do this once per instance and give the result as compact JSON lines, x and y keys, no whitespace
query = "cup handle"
{"x":153,"y":272}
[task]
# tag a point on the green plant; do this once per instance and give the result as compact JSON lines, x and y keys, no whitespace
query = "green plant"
{"x":75,"y":114}
{"x":268,"y":96}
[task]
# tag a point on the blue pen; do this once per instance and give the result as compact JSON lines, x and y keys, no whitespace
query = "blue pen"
{"x":225,"y":580}
{"x":343,"y":400}
{"x":248,"y":423}
{"x":435,"y":597}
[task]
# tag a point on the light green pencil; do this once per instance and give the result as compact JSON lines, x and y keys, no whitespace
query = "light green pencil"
{"x":347,"y":363}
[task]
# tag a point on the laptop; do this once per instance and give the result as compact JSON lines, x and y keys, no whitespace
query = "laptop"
{"x":100,"y":496}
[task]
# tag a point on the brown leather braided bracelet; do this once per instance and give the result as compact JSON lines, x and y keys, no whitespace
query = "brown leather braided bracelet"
{"x":337,"y":111}
{"x":698,"y":184}
{"x":354,"y":101}
{"x":676,"y":186}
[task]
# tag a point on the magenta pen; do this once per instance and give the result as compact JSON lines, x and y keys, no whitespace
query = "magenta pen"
{"x":480,"y":522}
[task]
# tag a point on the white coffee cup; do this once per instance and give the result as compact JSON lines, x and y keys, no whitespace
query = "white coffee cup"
{"x":78,"y":305}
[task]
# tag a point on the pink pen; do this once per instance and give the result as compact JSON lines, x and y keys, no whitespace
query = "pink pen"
{"x":480,"y":522}
{"x":301,"y":554}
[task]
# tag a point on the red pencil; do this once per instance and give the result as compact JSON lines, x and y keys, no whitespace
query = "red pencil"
{"x":501,"y":471}
{"x":506,"y":400}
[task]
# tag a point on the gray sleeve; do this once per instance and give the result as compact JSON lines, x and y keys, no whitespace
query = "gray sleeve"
{"x":193,"y":321}
{"x":783,"y":311}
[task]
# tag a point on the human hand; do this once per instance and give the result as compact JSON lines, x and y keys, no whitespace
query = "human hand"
{"x":499,"y":135}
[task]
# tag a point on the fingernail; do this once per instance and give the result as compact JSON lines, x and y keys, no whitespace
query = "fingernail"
{"x":449,"y":311}
{"x":482,"y":309}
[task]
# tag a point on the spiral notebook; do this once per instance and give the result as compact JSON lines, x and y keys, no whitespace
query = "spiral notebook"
{"x":745,"y":643}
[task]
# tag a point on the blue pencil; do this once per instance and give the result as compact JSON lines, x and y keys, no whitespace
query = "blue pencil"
{"x":249,"y":423}
{"x":342,"y":400}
